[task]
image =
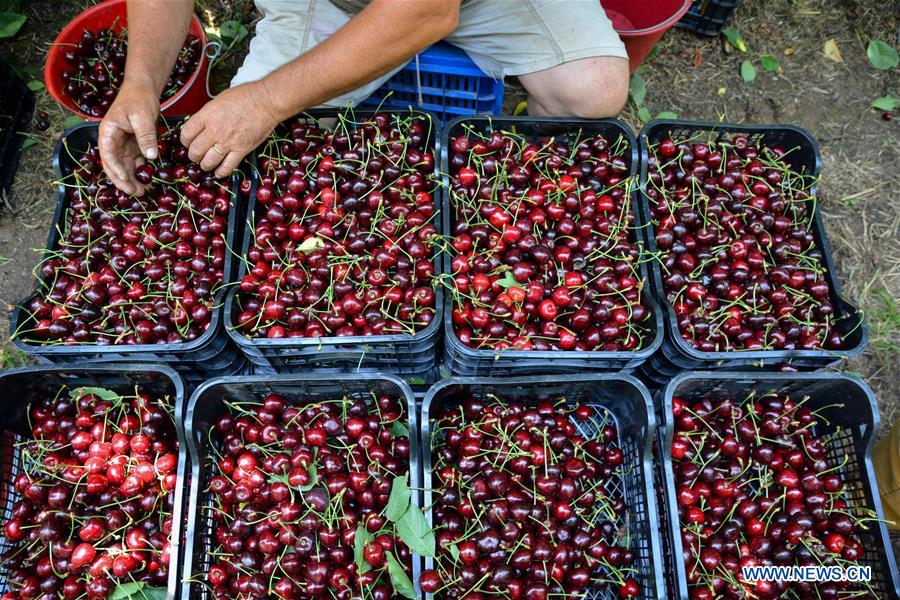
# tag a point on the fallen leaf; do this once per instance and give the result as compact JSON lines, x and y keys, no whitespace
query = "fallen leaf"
{"x":881,"y":56}
{"x":698,"y":58}
{"x":832,"y":52}
{"x":886,"y":103}
{"x":789,"y":51}
{"x":722,"y":91}
{"x":748,"y":71}
{"x":770,"y":63}
{"x":735,"y":38}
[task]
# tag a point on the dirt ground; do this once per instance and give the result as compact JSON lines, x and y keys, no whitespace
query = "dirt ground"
{"x":693,"y":76}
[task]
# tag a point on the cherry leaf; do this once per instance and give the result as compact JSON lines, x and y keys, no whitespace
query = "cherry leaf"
{"x":881,"y":56}
{"x":415,"y":532}
{"x":399,"y":428}
{"x":454,"y":551}
{"x":748,"y":71}
{"x":102,"y":393}
{"x":399,"y":500}
{"x":735,"y":38}
{"x":399,"y":579}
{"x":360,"y":540}
{"x":886,"y":103}
{"x":507,"y":281}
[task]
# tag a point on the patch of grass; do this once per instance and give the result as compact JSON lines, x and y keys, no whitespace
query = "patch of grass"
{"x":11,"y":357}
{"x":884,"y":323}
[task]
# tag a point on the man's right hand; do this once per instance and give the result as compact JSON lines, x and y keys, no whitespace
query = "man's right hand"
{"x":128,"y":134}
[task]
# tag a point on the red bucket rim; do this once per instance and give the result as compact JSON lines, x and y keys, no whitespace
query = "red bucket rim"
{"x":676,"y":16}
{"x":60,"y":96}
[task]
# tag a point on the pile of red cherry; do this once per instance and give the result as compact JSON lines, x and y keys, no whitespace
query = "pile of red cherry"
{"x":754,"y":488}
{"x":134,"y":270}
{"x":740,"y":265}
{"x":94,"y":499}
{"x":542,"y":257}
{"x":96,"y":68}
{"x":307,"y":500}
{"x":523,"y":505}
{"x":344,"y":238}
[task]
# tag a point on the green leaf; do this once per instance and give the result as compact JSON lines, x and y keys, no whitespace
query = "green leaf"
{"x":72,"y":121}
{"x":283,"y":478}
{"x":36,"y":84}
{"x":748,"y":71}
{"x":644,"y":114}
{"x":886,"y":103}
{"x":638,"y":89}
{"x":153,"y":593}
{"x":413,"y":529}
{"x":126,"y":590}
{"x":735,"y":38}
{"x":232,"y":32}
{"x":769,"y":63}
{"x":399,"y":579}
{"x":137,"y":590}
{"x":882,"y":56}
{"x":28,"y":143}
{"x":507,"y":281}
{"x":313,"y":478}
{"x":102,"y":393}
{"x":10,"y":24}
{"x":666,"y":114}
{"x":399,"y":429}
{"x":399,"y":500}
{"x":454,"y":551}
{"x":416,"y":381}
{"x":360,"y":540}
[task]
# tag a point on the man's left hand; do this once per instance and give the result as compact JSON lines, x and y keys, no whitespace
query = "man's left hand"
{"x":229,"y":127}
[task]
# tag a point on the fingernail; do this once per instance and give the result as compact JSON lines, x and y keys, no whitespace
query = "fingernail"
{"x":151,"y":154}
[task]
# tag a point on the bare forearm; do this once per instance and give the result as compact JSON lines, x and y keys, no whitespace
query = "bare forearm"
{"x":156,"y":33}
{"x":384,"y":35}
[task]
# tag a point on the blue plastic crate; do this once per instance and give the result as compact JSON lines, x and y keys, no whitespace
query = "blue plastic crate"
{"x":445,"y":81}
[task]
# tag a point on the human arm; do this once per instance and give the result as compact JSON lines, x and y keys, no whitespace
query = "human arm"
{"x":156,"y":32}
{"x":382,"y":36}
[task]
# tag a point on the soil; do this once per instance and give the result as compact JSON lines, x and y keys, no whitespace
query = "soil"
{"x":693,"y":76}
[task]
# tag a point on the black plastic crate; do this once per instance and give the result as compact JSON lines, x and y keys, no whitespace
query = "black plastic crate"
{"x":210,"y":400}
{"x":621,"y":398}
{"x":707,"y":17}
{"x":204,"y":353}
{"x":465,"y":361}
{"x":803,"y":156}
{"x":402,"y":354}
{"x":849,"y":407}
{"x":16,"y":110}
{"x":21,"y":386}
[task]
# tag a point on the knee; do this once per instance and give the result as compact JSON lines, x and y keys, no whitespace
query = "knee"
{"x":599,"y":89}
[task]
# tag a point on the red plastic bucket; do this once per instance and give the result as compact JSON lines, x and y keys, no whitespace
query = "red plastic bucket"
{"x":113,"y":14}
{"x":640,"y":24}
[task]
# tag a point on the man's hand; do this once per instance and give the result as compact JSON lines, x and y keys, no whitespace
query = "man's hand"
{"x":128,"y":135}
{"x":230,"y":127}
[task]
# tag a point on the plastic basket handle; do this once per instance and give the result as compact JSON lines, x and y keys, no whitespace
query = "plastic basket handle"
{"x":212,"y":52}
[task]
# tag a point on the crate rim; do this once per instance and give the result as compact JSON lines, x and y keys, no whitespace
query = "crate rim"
{"x":179,"y":506}
{"x":670,"y":320}
{"x":647,"y":298}
{"x":666,"y":393}
{"x":424,"y":335}
{"x":77,"y":350}
{"x":645,"y":445}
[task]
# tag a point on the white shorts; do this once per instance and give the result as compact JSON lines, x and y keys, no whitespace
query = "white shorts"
{"x":503,"y":37}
